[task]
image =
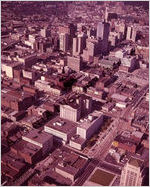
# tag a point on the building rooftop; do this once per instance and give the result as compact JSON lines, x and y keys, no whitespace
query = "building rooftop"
{"x":13,"y":161}
{"x":26,"y":147}
{"x":135,"y":162}
{"x":62,"y":125}
{"x":38,"y":136}
{"x":137,"y":134}
{"x":85,"y":123}
{"x":77,"y":139}
{"x":119,"y":97}
{"x":68,"y":169}
{"x":11,"y":63}
{"x":74,"y":100}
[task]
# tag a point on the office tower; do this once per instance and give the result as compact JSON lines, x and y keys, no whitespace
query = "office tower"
{"x":69,"y":29}
{"x":93,"y":47}
{"x":103,"y":30}
{"x":121,"y":28}
{"x":75,"y":63}
{"x":63,"y":42}
{"x":79,"y":44}
{"x":75,"y":47}
{"x":91,"y":33}
{"x":45,"y":32}
{"x":102,"y":34}
{"x":76,"y":107}
{"x":131,"y":34}
{"x":106,"y":14}
{"x":132,"y":173}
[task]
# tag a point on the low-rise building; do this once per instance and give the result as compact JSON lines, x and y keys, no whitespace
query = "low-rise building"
{"x":41,"y":139}
{"x":8,"y":67}
{"x":61,"y":129}
{"x":72,"y":166}
{"x":30,"y":152}
{"x":12,"y":168}
{"x":119,"y":97}
{"x":77,"y":142}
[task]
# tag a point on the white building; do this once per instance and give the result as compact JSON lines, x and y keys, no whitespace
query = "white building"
{"x":75,"y":108}
{"x":64,"y":42}
{"x":132,"y":173}
{"x":120,"y":53}
{"x":8,"y":67}
{"x":77,"y":142}
{"x":70,"y":113}
{"x":119,"y":97}
{"x":61,"y":129}
{"x":27,"y":59}
{"x":88,"y":126}
{"x":46,"y":87}
{"x":129,"y":61}
{"x":131,"y":34}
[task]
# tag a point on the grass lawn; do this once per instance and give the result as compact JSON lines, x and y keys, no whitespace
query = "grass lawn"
{"x":102,"y":177}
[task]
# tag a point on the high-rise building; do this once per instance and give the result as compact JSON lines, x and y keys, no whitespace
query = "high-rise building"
{"x":91,"y":32}
{"x":45,"y":32}
{"x":121,"y":28}
{"x":93,"y":47}
{"x":79,"y":44}
{"x":64,"y":42}
{"x":76,"y":107}
{"x":106,"y":14}
{"x":132,"y":173}
{"x":103,"y":30}
{"x":75,"y":63}
{"x":70,"y":30}
{"x":103,"y":34}
{"x":131,"y":34}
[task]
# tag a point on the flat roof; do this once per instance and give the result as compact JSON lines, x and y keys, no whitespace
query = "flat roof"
{"x":137,"y":134}
{"x":38,"y":136}
{"x":86,"y":122}
{"x":13,"y":161}
{"x":72,"y":100}
{"x":11,"y":63}
{"x":102,"y":178}
{"x":26,"y":147}
{"x":31,"y":119}
{"x":118,"y":96}
{"x":67,"y":126}
{"x":135,"y":162}
{"x":77,"y":139}
{"x":8,"y":171}
{"x":68,"y":169}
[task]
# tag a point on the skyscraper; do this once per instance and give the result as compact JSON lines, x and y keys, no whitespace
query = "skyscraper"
{"x":45,"y":32}
{"x":131,"y":34}
{"x":75,"y":63}
{"x":79,"y":44}
{"x":64,"y":42}
{"x":106,"y":14}
{"x":102,"y":34}
{"x":132,"y":173}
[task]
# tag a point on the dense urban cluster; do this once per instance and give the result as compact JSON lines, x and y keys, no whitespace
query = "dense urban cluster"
{"x":74,"y":93}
